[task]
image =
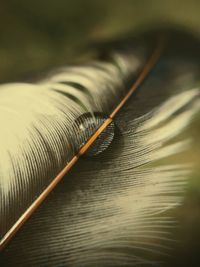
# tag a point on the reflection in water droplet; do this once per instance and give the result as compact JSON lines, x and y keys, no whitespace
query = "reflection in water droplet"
{"x":87,"y":125}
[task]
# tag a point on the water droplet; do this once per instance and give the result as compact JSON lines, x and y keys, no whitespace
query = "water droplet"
{"x":87,"y":125}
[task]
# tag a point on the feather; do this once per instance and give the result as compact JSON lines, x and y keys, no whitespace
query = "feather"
{"x":110,"y":210}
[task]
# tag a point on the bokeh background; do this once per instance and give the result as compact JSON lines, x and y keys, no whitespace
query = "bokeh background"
{"x":39,"y":35}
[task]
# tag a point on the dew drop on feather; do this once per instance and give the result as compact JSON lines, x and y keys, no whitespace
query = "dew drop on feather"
{"x":87,"y":125}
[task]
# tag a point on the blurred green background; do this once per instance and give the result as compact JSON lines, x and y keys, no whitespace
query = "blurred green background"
{"x":38,"y":35}
{"x":35,"y":35}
